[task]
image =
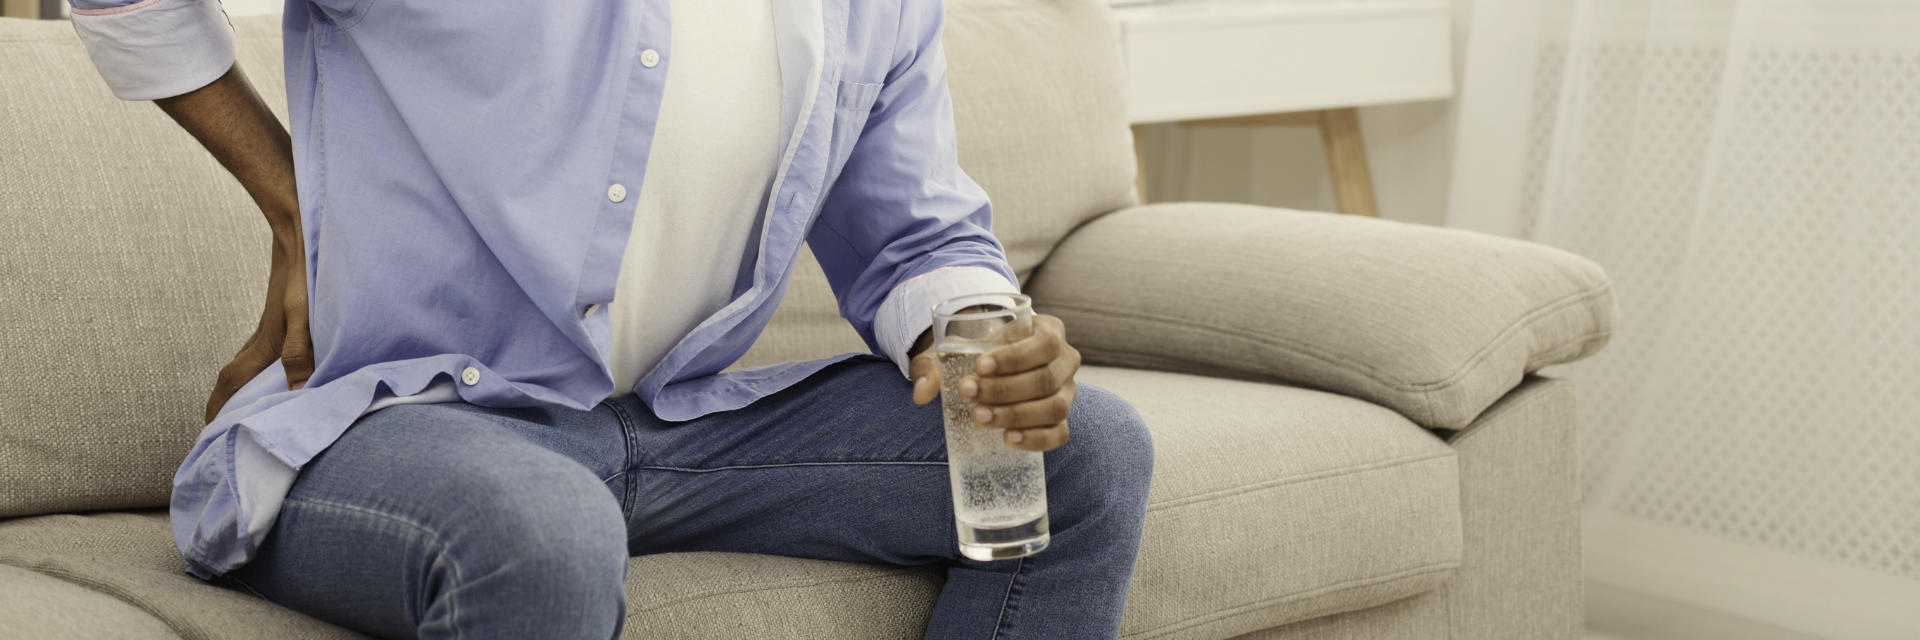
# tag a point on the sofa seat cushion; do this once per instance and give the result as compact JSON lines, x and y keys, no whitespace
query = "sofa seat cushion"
{"x":1270,"y":504}
{"x":1274,"y":504}
{"x":37,"y":605}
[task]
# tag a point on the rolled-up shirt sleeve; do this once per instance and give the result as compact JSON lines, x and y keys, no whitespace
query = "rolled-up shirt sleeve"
{"x":907,"y":311}
{"x":154,"y":49}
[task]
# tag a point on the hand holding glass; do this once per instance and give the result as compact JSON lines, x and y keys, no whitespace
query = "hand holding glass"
{"x":999,"y":492}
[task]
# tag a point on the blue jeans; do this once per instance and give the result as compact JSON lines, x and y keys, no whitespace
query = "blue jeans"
{"x":454,"y":520}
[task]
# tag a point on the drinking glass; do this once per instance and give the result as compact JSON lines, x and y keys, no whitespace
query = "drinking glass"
{"x":999,"y":492}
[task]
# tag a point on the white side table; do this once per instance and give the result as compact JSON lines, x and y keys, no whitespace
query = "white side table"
{"x":1287,"y":62}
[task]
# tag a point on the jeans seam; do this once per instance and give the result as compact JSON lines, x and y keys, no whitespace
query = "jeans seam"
{"x":453,"y":608}
{"x":626,"y":437}
{"x":1006,"y":602}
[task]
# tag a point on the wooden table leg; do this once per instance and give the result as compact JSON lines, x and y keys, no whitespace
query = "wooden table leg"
{"x":1340,"y":136}
{"x":1347,"y":161}
{"x":1140,"y":163}
{"x":29,"y":9}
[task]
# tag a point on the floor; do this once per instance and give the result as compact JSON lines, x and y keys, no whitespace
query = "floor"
{"x":1617,"y":614}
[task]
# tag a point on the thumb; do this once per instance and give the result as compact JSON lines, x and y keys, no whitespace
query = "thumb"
{"x":925,"y":376}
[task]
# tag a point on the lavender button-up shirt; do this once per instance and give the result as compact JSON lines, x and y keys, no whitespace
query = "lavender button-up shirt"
{"x":457,"y":164}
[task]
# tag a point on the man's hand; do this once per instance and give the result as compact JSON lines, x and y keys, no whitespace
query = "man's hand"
{"x":282,"y":332}
{"x":231,"y":121}
{"x":1026,"y":387}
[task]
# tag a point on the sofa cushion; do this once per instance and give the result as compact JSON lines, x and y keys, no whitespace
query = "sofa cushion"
{"x":1434,"y":323}
{"x":130,"y":556}
{"x":1275,"y":504}
{"x":131,"y":269}
{"x":1039,"y":101}
{"x":1270,"y":505}
{"x":36,"y":605}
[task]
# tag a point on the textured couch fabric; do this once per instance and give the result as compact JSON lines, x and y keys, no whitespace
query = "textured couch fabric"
{"x":36,"y":605}
{"x":130,"y":270}
{"x":1434,"y":323}
{"x":1520,"y":499}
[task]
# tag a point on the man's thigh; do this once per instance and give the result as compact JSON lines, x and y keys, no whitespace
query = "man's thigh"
{"x":416,"y":500}
{"x":841,"y":466}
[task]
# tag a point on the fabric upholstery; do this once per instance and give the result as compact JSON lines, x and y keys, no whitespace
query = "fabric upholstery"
{"x":1304,"y":503}
{"x":131,"y":269}
{"x":1520,"y":506}
{"x":130,"y":556}
{"x":1039,"y":93}
{"x":709,"y":596}
{"x":1434,"y":323}
{"x":1422,"y":617}
{"x":1307,"y":503}
{"x":1520,"y":575}
{"x":34,"y":605}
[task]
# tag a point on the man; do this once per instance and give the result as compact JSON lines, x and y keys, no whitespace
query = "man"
{"x":514,"y":246}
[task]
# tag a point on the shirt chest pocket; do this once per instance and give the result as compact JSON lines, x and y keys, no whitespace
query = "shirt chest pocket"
{"x":852,"y":106}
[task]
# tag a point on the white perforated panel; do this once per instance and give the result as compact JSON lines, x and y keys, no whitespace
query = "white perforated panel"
{"x":1754,"y":198}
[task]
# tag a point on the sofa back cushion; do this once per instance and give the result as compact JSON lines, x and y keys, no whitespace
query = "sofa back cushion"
{"x":132,"y":266}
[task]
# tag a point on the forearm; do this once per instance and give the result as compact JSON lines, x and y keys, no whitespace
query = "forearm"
{"x":231,"y":120}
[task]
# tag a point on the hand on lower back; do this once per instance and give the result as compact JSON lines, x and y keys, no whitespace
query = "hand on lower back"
{"x":282,"y":333}
{"x":1026,"y":387}
{"x":228,"y":118}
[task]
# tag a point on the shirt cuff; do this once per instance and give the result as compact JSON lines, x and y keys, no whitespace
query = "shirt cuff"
{"x":907,"y":311}
{"x":156,"y":49}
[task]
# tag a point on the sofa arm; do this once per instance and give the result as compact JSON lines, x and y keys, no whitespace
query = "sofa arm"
{"x":1434,"y":323}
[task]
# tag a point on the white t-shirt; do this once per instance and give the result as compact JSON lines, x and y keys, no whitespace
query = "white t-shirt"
{"x":715,"y":150}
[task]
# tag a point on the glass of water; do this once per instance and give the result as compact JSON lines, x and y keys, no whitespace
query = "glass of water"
{"x":999,"y":492}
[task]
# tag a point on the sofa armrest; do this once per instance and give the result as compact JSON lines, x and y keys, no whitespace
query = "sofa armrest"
{"x":1434,"y":323}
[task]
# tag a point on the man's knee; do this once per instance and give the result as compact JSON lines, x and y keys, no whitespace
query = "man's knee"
{"x":1109,"y":446}
{"x":554,"y":514}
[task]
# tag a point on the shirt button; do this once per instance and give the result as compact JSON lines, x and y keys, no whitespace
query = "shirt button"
{"x":649,"y":58}
{"x":590,"y":309}
{"x":470,"y":375}
{"x":617,"y":192}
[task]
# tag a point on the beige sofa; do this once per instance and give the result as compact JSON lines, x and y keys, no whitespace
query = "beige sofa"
{"x":1350,"y":443}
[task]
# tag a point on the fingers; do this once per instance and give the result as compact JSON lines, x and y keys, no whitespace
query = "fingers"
{"x":296,"y":352}
{"x":925,"y":376}
{"x":1038,"y":438}
{"x":1024,"y":415}
{"x":1021,"y":387}
{"x":253,"y":358}
{"x":1044,"y":346}
{"x":1035,"y":425}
